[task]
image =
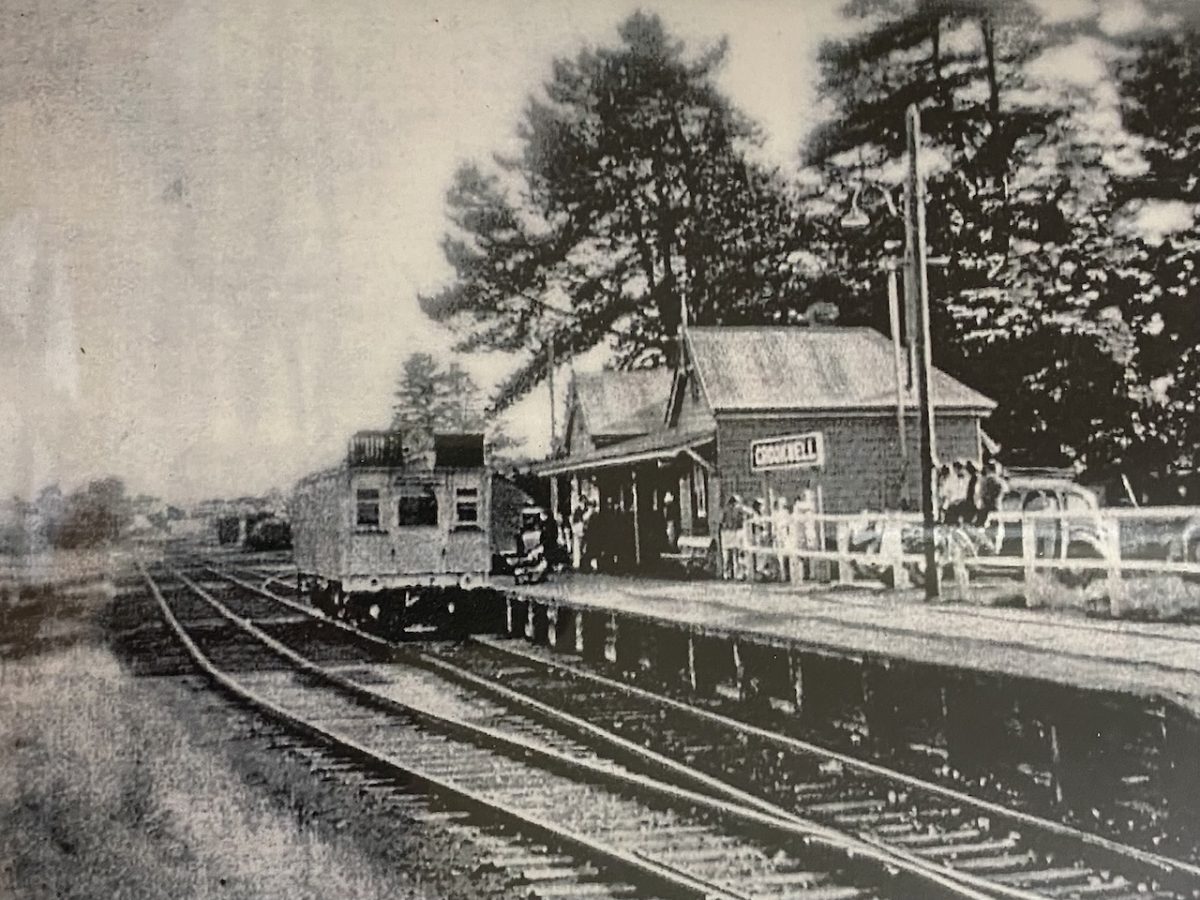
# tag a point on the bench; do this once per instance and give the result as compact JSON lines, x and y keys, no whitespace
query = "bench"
{"x":693,"y":553}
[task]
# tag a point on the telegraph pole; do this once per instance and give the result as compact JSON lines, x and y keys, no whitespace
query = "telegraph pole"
{"x":914,"y":222}
{"x":553,"y":428}
{"x":550,"y":383}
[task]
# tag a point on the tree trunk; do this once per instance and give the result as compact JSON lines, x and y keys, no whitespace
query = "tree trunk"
{"x":989,"y":50}
{"x":935,"y":37}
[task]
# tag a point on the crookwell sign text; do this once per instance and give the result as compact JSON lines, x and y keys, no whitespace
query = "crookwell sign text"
{"x":793,"y":451}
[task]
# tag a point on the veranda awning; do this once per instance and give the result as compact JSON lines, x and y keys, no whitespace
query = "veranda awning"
{"x":657,"y":445}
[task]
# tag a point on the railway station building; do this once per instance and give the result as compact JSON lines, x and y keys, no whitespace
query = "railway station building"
{"x":820,"y":412}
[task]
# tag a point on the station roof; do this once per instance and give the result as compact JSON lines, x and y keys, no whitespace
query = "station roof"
{"x":661,"y":444}
{"x":821,"y":368}
{"x":623,"y":403}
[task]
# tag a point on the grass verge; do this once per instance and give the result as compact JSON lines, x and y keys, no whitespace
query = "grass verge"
{"x":103,"y":794}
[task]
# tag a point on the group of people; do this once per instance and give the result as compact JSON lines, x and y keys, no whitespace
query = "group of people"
{"x":969,"y":494}
{"x":597,"y":536}
{"x":762,"y":523}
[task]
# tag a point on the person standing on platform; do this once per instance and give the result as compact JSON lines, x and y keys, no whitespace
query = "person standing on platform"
{"x":670,"y":511}
{"x":781,"y":526}
{"x":732,"y":522}
{"x":549,"y":530}
{"x":991,"y":490}
{"x":945,"y":493}
{"x":968,"y":506}
{"x":956,"y":491}
{"x":577,"y":518}
{"x":591,"y":554}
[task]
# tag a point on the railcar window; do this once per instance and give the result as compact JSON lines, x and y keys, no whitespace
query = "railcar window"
{"x":368,"y":508}
{"x":466,"y":506}
{"x":417,"y":506}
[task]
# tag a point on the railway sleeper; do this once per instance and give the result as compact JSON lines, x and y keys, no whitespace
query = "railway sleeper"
{"x":814,"y":789}
{"x":827,"y":892}
{"x":714,"y":851}
{"x":930,"y":838}
{"x":569,"y":872}
{"x":868,"y":804}
{"x":440,"y":816}
{"x":1016,"y":865}
{"x":1044,"y":877}
{"x":731,"y":872}
{"x":486,"y":783}
{"x":1095,"y":888}
{"x":872,"y":818}
{"x":800,"y":878}
{"x":952,"y":851}
{"x":891,"y":832}
{"x":518,"y":858}
{"x":591,"y":890}
{"x":646,"y":838}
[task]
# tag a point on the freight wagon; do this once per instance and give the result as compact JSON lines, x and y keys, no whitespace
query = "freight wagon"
{"x":389,"y":539}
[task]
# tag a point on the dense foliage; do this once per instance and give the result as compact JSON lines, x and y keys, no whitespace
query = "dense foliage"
{"x":1045,"y":143}
{"x":1061,"y":160}
{"x":91,"y":516}
{"x":431,"y":398}
{"x":634,"y":192}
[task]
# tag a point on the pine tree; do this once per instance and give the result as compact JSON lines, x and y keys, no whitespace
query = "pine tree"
{"x":1021,"y":204}
{"x":432,"y":399}
{"x":1161,"y":92}
{"x":634,"y":192}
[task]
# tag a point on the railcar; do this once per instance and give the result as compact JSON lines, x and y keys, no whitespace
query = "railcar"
{"x":389,"y":539}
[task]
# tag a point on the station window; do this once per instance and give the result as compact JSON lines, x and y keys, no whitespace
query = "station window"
{"x":367,"y":515}
{"x":417,"y":506}
{"x":466,"y":506}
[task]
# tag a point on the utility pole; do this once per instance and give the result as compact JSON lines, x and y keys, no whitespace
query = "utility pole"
{"x":550,"y":383}
{"x":914,"y":222}
{"x":553,"y":427}
{"x":898,"y":353}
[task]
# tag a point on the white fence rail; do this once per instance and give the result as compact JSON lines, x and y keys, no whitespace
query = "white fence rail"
{"x":1072,"y":546}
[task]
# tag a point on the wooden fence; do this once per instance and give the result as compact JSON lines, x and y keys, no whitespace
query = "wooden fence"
{"x":1116,"y":544}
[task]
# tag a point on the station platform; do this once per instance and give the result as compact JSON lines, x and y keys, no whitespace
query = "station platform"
{"x":1147,"y":660}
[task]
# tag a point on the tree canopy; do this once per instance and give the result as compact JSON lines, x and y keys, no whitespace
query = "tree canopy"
{"x":432,"y":398}
{"x":1041,"y":300}
{"x":635,"y":191}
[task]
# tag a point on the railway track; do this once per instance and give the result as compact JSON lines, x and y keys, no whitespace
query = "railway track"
{"x":1004,"y":851}
{"x":614,"y":831}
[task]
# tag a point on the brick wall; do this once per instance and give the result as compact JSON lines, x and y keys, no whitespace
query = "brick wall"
{"x":862,"y":456}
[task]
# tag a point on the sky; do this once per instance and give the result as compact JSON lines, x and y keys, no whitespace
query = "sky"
{"x":216,"y":217}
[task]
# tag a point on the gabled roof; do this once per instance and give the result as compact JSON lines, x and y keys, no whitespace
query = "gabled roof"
{"x":830,"y":368}
{"x":623,"y":403}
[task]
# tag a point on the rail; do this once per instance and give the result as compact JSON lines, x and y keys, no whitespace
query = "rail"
{"x":908,"y":874}
{"x":481,"y":674}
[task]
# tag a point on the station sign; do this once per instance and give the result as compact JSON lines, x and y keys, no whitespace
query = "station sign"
{"x":794,"y":451}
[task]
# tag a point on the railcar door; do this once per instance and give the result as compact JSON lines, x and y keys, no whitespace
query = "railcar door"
{"x":419,"y":544}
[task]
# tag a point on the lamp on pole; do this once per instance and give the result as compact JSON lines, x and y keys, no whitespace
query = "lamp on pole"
{"x":914,"y":228}
{"x":916,"y":284}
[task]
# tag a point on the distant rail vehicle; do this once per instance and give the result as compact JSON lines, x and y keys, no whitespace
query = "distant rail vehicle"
{"x":390,"y":538}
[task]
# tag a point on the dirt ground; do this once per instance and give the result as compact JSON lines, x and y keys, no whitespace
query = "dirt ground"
{"x":118,"y":785}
